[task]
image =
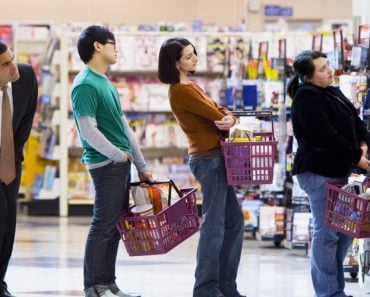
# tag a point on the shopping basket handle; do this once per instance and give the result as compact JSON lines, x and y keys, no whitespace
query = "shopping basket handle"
{"x":252,"y":113}
{"x":161,"y":182}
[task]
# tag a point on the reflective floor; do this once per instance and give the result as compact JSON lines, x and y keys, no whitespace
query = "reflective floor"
{"x":48,"y":258}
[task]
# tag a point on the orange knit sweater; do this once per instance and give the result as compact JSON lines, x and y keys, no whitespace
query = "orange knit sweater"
{"x":195,"y":113}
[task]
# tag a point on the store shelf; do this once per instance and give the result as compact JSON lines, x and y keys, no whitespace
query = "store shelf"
{"x":148,"y":73}
{"x":157,"y":152}
{"x":81,"y":201}
{"x":145,"y":93}
{"x":131,"y":113}
{"x":40,"y":206}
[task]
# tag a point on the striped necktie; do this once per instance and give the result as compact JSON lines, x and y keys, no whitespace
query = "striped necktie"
{"x":7,"y":158}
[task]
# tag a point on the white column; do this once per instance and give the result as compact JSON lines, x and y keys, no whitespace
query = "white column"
{"x":360,"y":8}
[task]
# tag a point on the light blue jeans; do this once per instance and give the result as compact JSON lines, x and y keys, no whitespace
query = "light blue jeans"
{"x":221,"y":233}
{"x":329,"y":247}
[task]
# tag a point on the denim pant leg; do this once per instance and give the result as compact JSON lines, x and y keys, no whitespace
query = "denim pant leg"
{"x":111,"y":184}
{"x":232,"y":245}
{"x":328,"y":246}
{"x":210,"y":173}
{"x":344,"y":243}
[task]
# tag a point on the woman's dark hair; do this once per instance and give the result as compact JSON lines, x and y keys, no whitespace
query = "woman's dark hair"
{"x":3,"y":47}
{"x":87,"y":38}
{"x":169,"y":54}
{"x":304,"y":69}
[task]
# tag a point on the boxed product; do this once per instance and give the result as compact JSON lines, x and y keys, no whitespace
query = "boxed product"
{"x":359,"y":182}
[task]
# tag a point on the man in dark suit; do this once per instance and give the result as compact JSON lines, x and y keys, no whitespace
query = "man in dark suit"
{"x":18,"y":86}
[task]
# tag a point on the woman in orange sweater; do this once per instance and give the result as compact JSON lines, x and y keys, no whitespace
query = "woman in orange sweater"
{"x":204,"y":123}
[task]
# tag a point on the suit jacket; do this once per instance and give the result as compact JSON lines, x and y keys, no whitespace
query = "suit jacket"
{"x":25,"y":92}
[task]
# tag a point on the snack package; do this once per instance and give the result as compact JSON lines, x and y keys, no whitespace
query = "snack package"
{"x":245,"y":129}
{"x":239,"y":132}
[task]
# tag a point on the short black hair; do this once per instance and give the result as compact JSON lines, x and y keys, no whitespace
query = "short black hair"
{"x":87,"y":38}
{"x":169,"y":54}
{"x":304,"y":68}
{"x":3,"y":48}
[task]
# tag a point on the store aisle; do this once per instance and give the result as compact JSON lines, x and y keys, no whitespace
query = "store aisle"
{"x":48,"y":259}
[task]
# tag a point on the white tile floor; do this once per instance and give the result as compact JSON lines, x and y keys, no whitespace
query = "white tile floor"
{"x":48,"y":256}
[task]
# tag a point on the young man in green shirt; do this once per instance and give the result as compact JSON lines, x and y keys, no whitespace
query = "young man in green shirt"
{"x":110,"y":147}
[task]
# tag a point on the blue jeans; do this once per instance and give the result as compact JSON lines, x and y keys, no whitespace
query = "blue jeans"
{"x":221,"y":233}
{"x":329,"y":247}
{"x":111,"y":184}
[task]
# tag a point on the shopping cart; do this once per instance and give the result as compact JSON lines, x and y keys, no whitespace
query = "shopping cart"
{"x":159,"y":233}
{"x":251,"y":162}
{"x":347,"y":212}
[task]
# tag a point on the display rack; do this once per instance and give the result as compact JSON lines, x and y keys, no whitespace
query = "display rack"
{"x":217,"y":56}
{"x":33,"y":44}
{"x":138,"y":58}
{"x":363,"y":50}
{"x":6,"y":34}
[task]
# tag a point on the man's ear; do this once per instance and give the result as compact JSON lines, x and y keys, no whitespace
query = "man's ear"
{"x":97,"y":46}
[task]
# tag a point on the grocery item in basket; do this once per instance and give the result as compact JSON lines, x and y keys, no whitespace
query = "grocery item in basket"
{"x":140,"y":195}
{"x":359,"y":182}
{"x":348,"y":188}
{"x":245,"y":130}
{"x":168,"y":195}
{"x":142,"y":210}
{"x":240,"y":133}
{"x":142,"y":202}
{"x":155,"y":195}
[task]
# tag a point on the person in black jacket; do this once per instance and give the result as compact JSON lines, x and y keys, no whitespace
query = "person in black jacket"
{"x":18,"y":87}
{"x":331,"y":140}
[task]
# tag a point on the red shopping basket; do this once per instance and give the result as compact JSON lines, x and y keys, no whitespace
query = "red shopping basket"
{"x":252,"y":162}
{"x":347,"y":212}
{"x":157,"y":234}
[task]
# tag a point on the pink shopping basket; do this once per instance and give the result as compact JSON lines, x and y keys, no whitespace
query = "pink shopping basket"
{"x":157,"y":234}
{"x":346,"y":212}
{"x":252,"y":162}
